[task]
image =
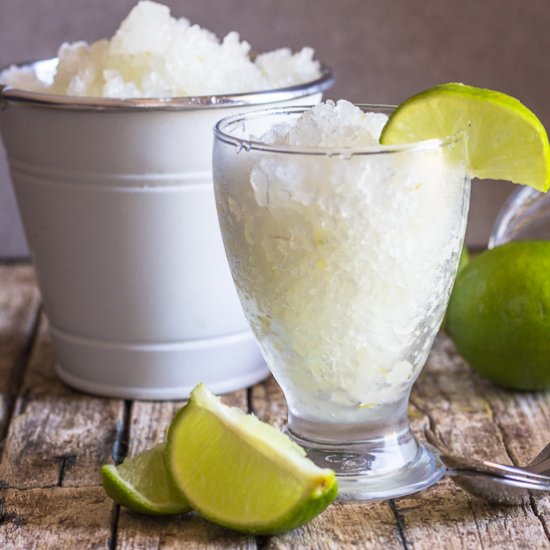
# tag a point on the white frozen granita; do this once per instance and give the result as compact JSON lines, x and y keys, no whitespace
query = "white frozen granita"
{"x":343,"y":259}
{"x":153,"y":54}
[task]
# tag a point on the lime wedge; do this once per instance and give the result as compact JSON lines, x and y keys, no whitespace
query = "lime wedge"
{"x":142,"y":484}
{"x":242,"y":473}
{"x":506,"y":140}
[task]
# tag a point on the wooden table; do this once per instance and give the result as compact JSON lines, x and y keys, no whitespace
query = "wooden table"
{"x":55,"y":439}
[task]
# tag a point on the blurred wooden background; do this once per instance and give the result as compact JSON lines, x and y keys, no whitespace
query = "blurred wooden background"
{"x":382,"y":51}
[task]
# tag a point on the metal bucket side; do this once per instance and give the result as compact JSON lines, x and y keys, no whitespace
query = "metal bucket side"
{"x":119,"y":213}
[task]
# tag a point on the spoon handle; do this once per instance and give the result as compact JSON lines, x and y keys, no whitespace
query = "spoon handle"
{"x":541,"y":463}
{"x":457,"y":465}
{"x":541,"y":468}
{"x":537,"y":471}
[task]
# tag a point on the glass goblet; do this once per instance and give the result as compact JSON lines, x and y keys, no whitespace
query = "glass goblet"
{"x":344,"y":259}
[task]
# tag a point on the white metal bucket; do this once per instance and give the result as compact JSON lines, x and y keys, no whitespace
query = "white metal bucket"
{"x":118,"y":208}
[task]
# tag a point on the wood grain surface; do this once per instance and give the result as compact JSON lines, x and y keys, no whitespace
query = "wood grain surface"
{"x":54,"y":440}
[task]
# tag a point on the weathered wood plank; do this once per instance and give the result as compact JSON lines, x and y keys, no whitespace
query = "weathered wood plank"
{"x":19,"y":304}
{"x":523,"y":419}
{"x":524,"y":422}
{"x":57,"y":435}
{"x":189,"y":532}
{"x":455,"y":402}
{"x":73,"y":517}
{"x":148,"y":424}
{"x":446,"y":517}
{"x":451,"y":395}
{"x":344,"y":526}
{"x":149,"y":421}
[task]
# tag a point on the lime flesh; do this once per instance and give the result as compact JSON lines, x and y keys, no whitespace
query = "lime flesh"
{"x":242,"y":473}
{"x":505,"y":140}
{"x":142,"y":484}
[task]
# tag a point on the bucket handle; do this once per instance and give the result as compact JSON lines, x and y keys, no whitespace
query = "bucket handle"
{"x":3,"y":98}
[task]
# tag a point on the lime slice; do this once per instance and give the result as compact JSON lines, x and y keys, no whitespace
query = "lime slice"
{"x":242,"y":473}
{"x":143,"y":485}
{"x":506,"y":140}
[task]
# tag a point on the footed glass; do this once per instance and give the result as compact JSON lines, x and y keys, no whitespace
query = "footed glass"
{"x":344,"y":259}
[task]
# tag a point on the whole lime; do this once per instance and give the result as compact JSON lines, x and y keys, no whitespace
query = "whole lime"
{"x":499,"y":314}
{"x":462,"y":263}
{"x":464,"y":260}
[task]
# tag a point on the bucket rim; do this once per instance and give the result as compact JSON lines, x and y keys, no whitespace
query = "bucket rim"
{"x":10,"y":94}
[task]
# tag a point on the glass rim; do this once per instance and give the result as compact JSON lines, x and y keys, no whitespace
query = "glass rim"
{"x":248,"y":144}
{"x":11,"y":94}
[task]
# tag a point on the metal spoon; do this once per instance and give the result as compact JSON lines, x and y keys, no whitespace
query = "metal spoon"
{"x":541,"y":463}
{"x":537,"y":469}
{"x":497,"y":489}
{"x":494,"y":482}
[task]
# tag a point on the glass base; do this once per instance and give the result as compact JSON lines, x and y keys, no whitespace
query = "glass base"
{"x":384,"y":467}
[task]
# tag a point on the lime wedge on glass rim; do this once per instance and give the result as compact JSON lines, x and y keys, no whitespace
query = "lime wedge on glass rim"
{"x":143,"y":485}
{"x":242,"y":473}
{"x":505,"y":140}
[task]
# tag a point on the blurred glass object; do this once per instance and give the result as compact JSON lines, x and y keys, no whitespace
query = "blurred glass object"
{"x":525,"y":216}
